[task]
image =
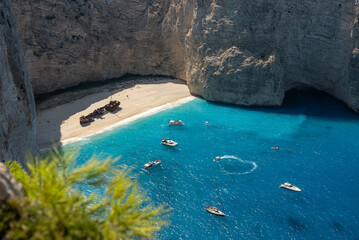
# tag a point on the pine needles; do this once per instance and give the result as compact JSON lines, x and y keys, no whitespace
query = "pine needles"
{"x":54,"y":209}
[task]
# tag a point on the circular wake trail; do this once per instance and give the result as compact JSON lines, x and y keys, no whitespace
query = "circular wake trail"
{"x":242,"y":161}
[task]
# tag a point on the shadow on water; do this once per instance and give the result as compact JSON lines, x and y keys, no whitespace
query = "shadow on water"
{"x":307,"y":102}
{"x":296,"y":225}
{"x":337,"y":226}
{"x":317,"y":104}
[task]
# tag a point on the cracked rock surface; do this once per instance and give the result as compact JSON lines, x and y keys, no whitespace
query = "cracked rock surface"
{"x":17,"y":106}
{"x":233,"y":51}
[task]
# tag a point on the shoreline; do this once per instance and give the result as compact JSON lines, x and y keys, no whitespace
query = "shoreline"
{"x":60,"y":125}
{"x":128,"y":120}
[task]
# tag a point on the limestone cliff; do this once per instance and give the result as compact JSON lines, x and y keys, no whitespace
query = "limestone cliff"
{"x":234,"y":51}
{"x":251,"y":52}
{"x":17,"y":107}
{"x":68,"y":42}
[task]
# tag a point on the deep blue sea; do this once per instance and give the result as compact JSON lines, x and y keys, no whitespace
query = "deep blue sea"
{"x":318,"y":140}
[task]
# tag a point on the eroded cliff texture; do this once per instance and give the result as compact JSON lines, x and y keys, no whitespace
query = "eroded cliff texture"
{"x":269,"y":47}
{"x":67,"y":42}
{"x":234,"y":51}
{"x":17,"y":106}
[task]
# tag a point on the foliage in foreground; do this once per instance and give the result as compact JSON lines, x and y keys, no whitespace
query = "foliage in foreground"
{"x":54,"y":209}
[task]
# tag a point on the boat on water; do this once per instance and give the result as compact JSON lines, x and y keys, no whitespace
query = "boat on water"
{"x":290,"y":187}
{"x":217,"y":158}
{"x":168,"y":142}
{"x":215,"y":211}
{"x":275,"y":148}
{"x":152,"y":164}
{"x":176,"y":123}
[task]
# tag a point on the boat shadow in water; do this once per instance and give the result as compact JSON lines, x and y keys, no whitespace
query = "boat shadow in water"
{"x":337,"y":227}
{"x":297,"y":225}
{"x":175,"y":149}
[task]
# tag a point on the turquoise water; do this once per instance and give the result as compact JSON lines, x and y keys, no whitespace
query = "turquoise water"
{"x":319,"y":153}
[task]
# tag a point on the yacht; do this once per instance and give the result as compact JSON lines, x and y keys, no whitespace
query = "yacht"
{"x":216,"y":159}
{"x":152,"y":164}
{"x":290,"y":187}
{"x":176,"y":123}
{"x":215,"y":211}
{"x":168,"y":142}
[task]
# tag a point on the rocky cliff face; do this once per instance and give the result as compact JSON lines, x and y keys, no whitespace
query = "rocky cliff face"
{"x":68,"y":42}
{"x":9,"y":187}
{"x":17,"y":107}
{"x":234,"y":51}
{"x":254,"y":51}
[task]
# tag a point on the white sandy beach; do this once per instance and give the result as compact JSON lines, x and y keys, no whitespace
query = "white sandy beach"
{"x":61,"y":123}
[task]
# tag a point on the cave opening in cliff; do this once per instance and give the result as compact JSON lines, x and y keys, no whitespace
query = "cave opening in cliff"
{"x":310,"y":101}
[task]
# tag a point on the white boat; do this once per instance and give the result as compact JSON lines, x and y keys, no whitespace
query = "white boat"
{"x":152,"y":164}
{"x":215,"y":211}
{"x":168,"y":142}
{"x":290,"y":187}
{"x":176,"y":123}
{"x":216,"y":159}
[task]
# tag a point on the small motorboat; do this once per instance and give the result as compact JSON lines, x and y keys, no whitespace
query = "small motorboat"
{"x":290,"y":187}
{"x":207,"y":123}
{"x":216,"y":159}
{"x":168,"y":142}
{"x":152,"y":164}
{"x":176,"y":123}
{"x":275,"y":148}
{"x":215,"y":211}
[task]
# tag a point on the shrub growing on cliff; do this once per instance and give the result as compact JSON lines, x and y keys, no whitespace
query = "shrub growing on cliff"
{"x":54,"y":209}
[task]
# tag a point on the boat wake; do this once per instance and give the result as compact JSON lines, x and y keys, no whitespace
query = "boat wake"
{"x":229,"y":166}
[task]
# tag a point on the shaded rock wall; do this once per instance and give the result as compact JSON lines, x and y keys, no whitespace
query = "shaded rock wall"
{"x":17,"y":106}
{"x":9,"y":187}
{"x":234,"y":51}
{"x":68,"y":42}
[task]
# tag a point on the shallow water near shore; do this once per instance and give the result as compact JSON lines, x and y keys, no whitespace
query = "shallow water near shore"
{"x":318,"y":152}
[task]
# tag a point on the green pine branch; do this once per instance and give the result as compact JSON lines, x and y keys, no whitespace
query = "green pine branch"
{"x":53,"y":208}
